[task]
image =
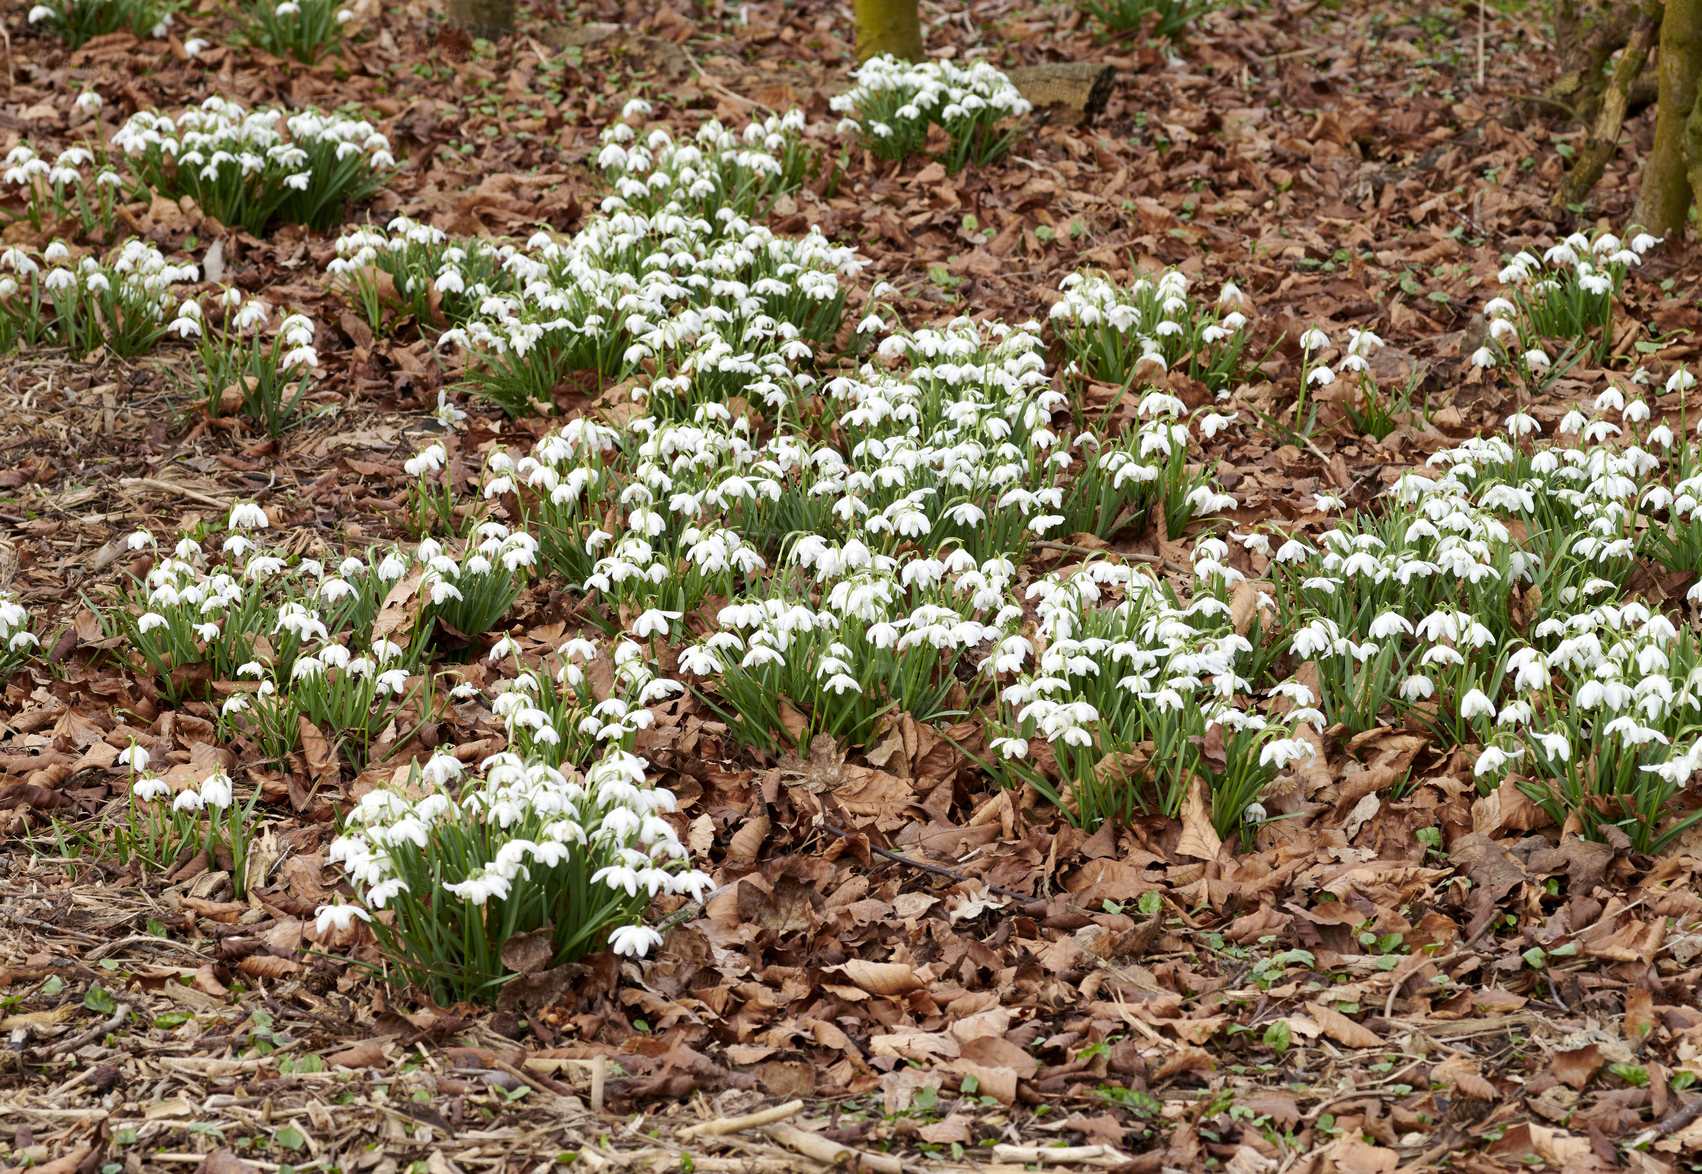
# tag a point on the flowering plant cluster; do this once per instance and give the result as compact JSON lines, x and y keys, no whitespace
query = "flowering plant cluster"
{"x":1111,"y":332}
{"x":726,"y":306}
{"x":241,"y":368}
{"x":78,"y":186}
{"x":84,"y":304}
{"x":303,"y":29}
{"x":1564,"y":297}
{"x":894,"y":102}
{"x":1491,"y":604}
{"x":449,"y":869}
{"x":78,"y":20}
{"x":242,"y":167}
{"x":417,"y":271}
{"x":163,"y":828}
{"x":1136,"y":700}
{"x":714,"y":169}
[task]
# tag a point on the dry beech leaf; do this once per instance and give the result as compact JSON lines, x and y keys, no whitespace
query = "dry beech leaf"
{"x":1199,"y":839}
{"x":1342,"y":1029}
{"x":267,"y":966}
{"x":880,"y":978}
{"x":747,"y":841}
{"x":1464,"y":1076}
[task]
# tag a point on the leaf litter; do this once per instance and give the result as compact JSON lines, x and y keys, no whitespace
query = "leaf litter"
{"x":945,"y":974}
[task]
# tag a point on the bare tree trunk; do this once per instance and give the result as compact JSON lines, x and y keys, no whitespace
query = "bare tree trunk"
{"x":1604,"y":136}
{"x":888,"y":26}
{"x":1664,"y":201}
{"x":483,"y":18}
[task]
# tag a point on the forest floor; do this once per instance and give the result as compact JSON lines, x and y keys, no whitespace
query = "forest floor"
{"x":1038,"y":996}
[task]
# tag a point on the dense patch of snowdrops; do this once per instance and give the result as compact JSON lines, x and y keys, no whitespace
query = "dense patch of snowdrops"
{"x":258,"y":167}
{"x":893,"y":103}
{"x":818,"y":547}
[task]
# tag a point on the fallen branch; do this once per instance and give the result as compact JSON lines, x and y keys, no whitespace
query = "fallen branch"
{"x":832,"y":1153}
{"x":724,"y":1125}
{"x":1091,"y":1155}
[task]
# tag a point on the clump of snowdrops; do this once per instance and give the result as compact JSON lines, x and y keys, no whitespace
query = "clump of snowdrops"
{"x":303,"y":29}
{"x":83,"y":303}
{"x":407,"y":269}
{"x":894,"y":102}
{"x":449,"y":868}
{"x":78,"y":185}
{"x":78,"y":20}
{"x":1113,"y":333}
{"x":260,"y":167}
{"x":163,"y":829}
{"x":1562,"y":299}
{"x":243,"y":369}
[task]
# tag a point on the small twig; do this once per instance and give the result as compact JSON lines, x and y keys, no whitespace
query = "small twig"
{"x":99,"y":952}
{"x":94,"y":1033}
{"x":599,"y":1072}
{"x":534,"y":1081}
{"x":1671,"y":1123}
{"x":173,"y":487}
{"x":724,"y":1125}
{"x":1092,"y":1155}
{"x":1132,"y":556}
{"x":1401,"y":978}
{"x":936,"y":869}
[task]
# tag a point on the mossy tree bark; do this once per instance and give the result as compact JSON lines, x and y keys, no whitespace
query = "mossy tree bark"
{"x":888,"y":26}
{"x":483,"y":18}
{"x":1664,"y":201}
{"x":1604,"y":136}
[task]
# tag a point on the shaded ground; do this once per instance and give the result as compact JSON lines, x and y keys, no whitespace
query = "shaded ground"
{"x":1343,"y":995}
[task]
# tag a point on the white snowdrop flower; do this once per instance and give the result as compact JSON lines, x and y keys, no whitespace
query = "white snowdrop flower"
{"x":1521,"y":424}
{"x":634,"y":941}
{"x":1643,"y":242}
{"x":340,"y":917}
{"x":1681,"y":380}
{"x":1325,"y":502}
{"x":134,"y":757}
{"x":1476,"y":704}
{"x":246,"y":515}
{"x":1417,"y":687}
{"x":1314,"y":340}
{"x":140,"y":540}
{"x":1536,"y":357}
{"x":1493,"y":759}
{"x":149,"y":788}
{"x":216,"y":790}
